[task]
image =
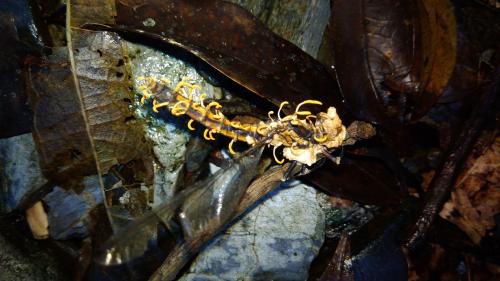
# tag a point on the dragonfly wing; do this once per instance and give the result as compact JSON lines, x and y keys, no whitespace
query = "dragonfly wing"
{"x":133,"y":241}
{"x":204,"y":205}
{"x":216,"y":204}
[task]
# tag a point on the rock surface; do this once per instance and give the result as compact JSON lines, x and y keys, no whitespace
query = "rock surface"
{"x":20,"y":173}
{"x":168,"y":135}
{"x":301,"y":22}
{"x":68,"y":212}
{"x":23,"y":258}
{"x":277,"y":240}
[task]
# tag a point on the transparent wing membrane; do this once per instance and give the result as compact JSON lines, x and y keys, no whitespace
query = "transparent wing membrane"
{"x":206,"y":205}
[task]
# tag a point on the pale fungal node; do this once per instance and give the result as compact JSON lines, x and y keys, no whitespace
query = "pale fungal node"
{"x":331,"y":135}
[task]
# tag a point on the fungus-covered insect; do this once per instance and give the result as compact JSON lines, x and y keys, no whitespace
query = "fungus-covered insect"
{"x":302,"y":134}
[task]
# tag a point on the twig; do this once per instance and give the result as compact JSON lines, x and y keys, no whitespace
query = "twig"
{"x":443,"y":181}
{"x":337,"y":269}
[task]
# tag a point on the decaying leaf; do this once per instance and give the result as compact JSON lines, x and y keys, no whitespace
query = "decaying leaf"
{"x":403,"y":55}
{"x":475,"y":201}
{"x":59,"y":128}
{"x":104,"y":81}
{"x":69,"y":130}
{"x":338,"y":267}
{"x":244,"y":49}
{"x":20,"y":40}
{"x":359,"y":179}
{"x":440,"y":49}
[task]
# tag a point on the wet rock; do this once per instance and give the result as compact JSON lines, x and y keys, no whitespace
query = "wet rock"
{"x":169,"y":146}
{"x":347,"y":218}
{"x":20,"y":173}
{"x":169,"y":135}
{"x":277,"y":240}
{"x":69,"y":212}
{"x":383,"y":258}
{"x":149,"y":62}
{"x":301,"y":22}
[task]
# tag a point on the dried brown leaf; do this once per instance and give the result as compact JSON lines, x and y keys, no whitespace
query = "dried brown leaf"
{"x":403,"y":55}
{"x":70,"y":132}
{"x":476,"y":198}
{"x":104,"y":81}
{"x":59,"y":128}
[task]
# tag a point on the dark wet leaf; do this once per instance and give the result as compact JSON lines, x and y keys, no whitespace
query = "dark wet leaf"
{"x":478,"y":47}
{"x":360,"y":179}
{"x":393,"y":58}
{"x":474,"y":201}
{"x":103,"y":79}
{"x":445,"y":176}
{"x":382,"y":258}
{"x":197,"y":151}
{"x":372,"y":251}
{"x":231,"y":40}
{"x":83,"y":124}
{"x":338,"y":269}
{"x":20,"y":39}
{"x":59,"y":128}
{"x":256,"y":190}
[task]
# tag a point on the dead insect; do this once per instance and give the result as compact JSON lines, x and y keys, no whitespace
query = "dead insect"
{"x":199,"y":211}
{"x":303,"y":135}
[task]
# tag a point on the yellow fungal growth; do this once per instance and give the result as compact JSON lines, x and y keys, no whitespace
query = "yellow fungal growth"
{"x":298,"y":112}
{"x":281,"y":108}
{"x":210,"y":134}
{"x":276,"y":158}
{"x":230,"y":147}
{"x":202,"y":98}
{"x":190,"y":125}
{"x":303,"y":135}
{"x":157,"y":105}
{"x":145,"y":88}
{"x":164,"y":81}
{"x":321,"y":139}
{"x":269,"y":114}
{"x":205,"y":134}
